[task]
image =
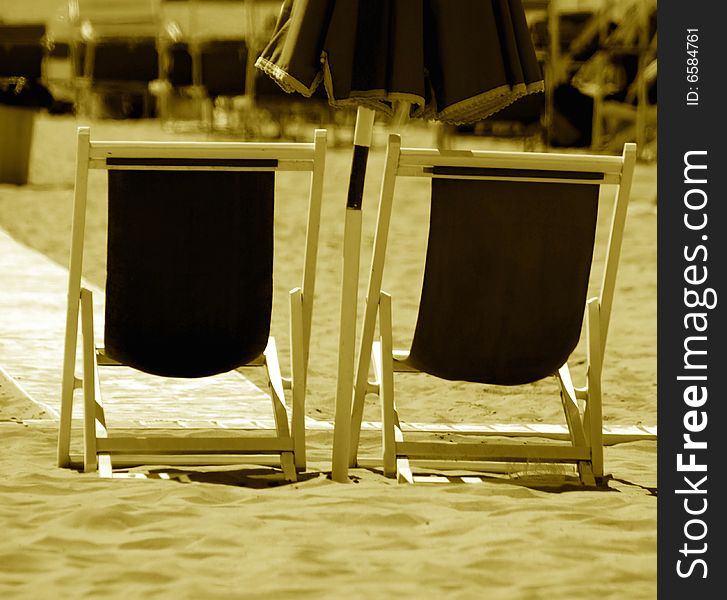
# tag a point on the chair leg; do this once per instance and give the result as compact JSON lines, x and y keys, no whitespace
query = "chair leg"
{"x":570,"y":406}
{"x":90,"y":461}
{"x":277,"y":395}
{"x":287,"y":465}
{"x":382,"y":352}
{"x":70,"y":383}
{"x":579,"y":438}
{"x":387,"y":414}
{"x":105,"y":467}
{"x":593,"y":417}
{"x":68,"y":387}
{"x":298,"y":371}
{"x":373,"y":292}
{"x":394,"y":466}
{"x":403,"y":468}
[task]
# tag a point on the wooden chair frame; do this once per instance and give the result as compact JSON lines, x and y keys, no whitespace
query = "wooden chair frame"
{"x":99,"y":446}
{"x":581,"y":405}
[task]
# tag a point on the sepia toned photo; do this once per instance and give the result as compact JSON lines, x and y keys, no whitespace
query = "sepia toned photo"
{"x":332,"y":299}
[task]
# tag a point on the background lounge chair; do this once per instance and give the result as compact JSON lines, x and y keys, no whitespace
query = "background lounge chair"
{"x":114,"y":54}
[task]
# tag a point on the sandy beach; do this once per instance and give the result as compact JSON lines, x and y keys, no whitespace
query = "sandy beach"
{"x":237,"y":533}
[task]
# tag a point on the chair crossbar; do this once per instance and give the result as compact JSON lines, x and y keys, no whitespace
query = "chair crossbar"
{"x":184,"y":460}
{"x":192,"y":162}
{"x":611,"y":435}
{"x":604,"y":179}
{"x":539,"y":161}
{"x":289,"y":165}
{"x":516,"y":173}
{"x":209,"y":150}
{"x":493,"y":452}
{"x":194,"y":445}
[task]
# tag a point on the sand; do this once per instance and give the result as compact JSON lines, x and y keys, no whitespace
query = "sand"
{"x":229,"y":534}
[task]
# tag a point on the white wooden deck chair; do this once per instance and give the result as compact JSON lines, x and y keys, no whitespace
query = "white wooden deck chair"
{"x":189,"y":290}
{"x":510,"y":248}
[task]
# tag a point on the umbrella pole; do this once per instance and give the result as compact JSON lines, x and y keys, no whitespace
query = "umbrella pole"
{"x":349,"y":294}
{"x":371,"y":305}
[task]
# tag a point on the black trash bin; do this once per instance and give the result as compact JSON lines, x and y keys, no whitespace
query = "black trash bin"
{"x":21,"y":96}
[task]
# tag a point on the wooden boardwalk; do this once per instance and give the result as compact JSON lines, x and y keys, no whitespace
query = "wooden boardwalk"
{"x":32,"y":323}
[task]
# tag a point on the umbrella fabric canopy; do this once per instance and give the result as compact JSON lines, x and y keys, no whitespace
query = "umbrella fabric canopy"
{"x":453,"y":61}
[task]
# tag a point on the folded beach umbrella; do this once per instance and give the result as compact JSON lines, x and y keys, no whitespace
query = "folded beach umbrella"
{"x":454,"y":61}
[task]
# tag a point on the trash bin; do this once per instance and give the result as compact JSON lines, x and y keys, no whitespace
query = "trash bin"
{"x":22,"y":94}
{"x":16,"y":135}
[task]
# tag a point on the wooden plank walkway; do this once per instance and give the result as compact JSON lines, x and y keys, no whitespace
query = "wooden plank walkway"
{"x":32,"y":323}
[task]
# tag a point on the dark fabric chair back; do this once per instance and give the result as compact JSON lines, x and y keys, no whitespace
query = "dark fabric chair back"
{"x":126,"y":60}
{"x":506,"y":278}
{"x":180,"y":67}
{"x":189,"y":271}
{"x":224,"y":67}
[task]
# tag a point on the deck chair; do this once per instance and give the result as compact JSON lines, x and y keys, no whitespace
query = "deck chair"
{"x":510,"y":247}
{"x":177,"y":89}
{"x":188,"y":290}
{"x":114,"y":48}
{"x":207,"y":58}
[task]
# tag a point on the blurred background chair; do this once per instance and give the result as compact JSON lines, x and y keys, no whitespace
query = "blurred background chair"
{"x":114,"y":56}
{"x":207,"y":77}
{"x":596,"y":53}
